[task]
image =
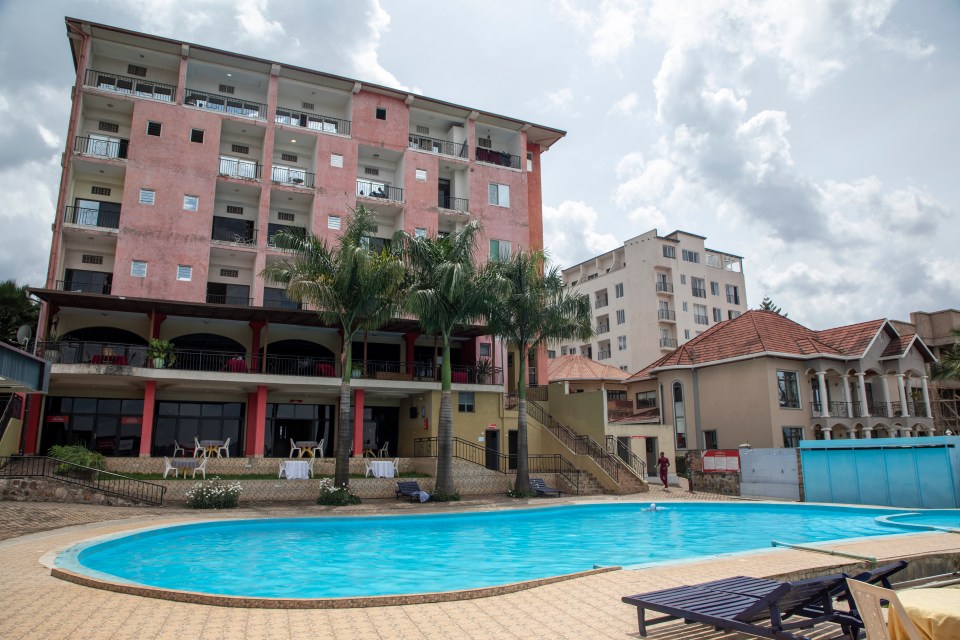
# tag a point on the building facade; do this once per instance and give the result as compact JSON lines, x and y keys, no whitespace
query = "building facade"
{"x":182,"y":164}
{"x":653,"y":294}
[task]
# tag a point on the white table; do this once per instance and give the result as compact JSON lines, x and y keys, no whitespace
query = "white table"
{"x":295,"y":469}
{"x":383,"y":469}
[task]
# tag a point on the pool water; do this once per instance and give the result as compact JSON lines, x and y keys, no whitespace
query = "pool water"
{"x":328,"y":557}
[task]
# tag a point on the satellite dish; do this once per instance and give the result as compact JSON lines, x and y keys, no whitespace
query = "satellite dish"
{"x":23,"y":335}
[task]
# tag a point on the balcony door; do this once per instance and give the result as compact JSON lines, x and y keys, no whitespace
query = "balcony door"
{"x":94,"y":213}
{"x":443,"y":193}
{"x":87,"y":281}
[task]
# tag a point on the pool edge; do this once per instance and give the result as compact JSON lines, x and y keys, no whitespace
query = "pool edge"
{"x":246,"y":602}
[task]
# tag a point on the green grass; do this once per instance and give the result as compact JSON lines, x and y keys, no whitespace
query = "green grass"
{"x":252,"y":476}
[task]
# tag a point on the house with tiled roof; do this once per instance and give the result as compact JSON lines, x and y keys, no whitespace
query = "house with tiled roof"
{"x":765,"y":380}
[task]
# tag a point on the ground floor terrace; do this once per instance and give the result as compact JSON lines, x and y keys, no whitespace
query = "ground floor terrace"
{"x":586,"y":607}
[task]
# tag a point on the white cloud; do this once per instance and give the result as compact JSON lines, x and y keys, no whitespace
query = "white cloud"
{"x":560,"y":99}
{"x":253,"y":22}
{"x":570,"y":233}
{"x":626,"y":105}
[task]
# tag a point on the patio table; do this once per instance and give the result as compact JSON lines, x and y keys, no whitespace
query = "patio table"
{"x":211,"y":448}
{"x":184,"y":463}
{"x":307,"y":448}
{"x":935,"y":612}
{"x":383,"y":469}
{"x":295,"y":469}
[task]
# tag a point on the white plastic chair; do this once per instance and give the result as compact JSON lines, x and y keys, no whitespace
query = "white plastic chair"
{"x":167,"y":467}
{"x":369,"y":468}
{"x":384,"y":450}
{"x":224,"y":449}
{"x":868,"y":598}
{"x":177,"y":447}
{"x":202,"y":468}
{"x":310,"y":466}
{"x":318,"y":452}
{"x":198,"y":450}
{"x":283,"y":470}
{"x":295,"y":451}
{"x":396,"y":467}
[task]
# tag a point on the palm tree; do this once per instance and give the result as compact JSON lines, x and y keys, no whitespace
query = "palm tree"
{"x":351,"y":287}
{"x":446,"y":290}
{"x":16,"y":310}
{"x":534,"y":308}
{"x":949,"y":366}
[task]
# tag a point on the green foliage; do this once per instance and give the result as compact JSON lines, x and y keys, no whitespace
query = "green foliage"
{"x":334,"y":496}
{"x":161,"y":349}
{"x":443,"y":496}
{"x":948,"y":368}
{"x":517,"y":493}
{"x":16,"y":309}
{"x":767,"y":305}
{"x":214,"y":494}
{"x":484,"y":370}
{"x":76,"y":454}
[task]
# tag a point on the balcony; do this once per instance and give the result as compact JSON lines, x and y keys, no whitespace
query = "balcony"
{"x":501,"y":158}
{"x":603,"y":328}
{"x":225,"y":104}
{"x":276,"y":298}
{"x":917,"y":409}
{"x":80,"y":281}
{"x":233,"y":300}
{"x":273,"y":229}
{"x":443,"y":147}
{"x":699,"y":292}
{"x":139,"y":87}
{"x":668,"y":343}
{"x":845,"y":410}
{"x":291,"y":176}
{"x":701,"y":319}
{"x":230,"y":231}
{"x":312,"y":121}
{"x":600,"y":303}
{"x":101,"y":147}
{"x":368,"y":189}
{"x":879,"y":410}
{"x":664,"y":287}
{"x":603,"y":355}
{"x":667,"y":314}
{"x":87,"y":217}
{"x":240,"y":169}
{"x":453,"y":204}
{"x":106,"y":353}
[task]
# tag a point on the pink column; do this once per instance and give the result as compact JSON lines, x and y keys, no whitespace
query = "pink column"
{"x":34,"y":402}
{"x":249,"y":435}
{"x":358,"y":423}
{"x":260,"y":425}
{"x":146,"y":425}
{"x":409,"y":338}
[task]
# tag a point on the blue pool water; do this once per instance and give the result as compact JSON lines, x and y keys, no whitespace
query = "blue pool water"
{"x":380,"y":555}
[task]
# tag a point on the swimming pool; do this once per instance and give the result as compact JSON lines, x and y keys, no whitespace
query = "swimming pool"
{"x":336,"y":557}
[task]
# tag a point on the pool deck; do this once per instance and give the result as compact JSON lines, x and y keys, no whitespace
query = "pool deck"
{"x":37,"y":605}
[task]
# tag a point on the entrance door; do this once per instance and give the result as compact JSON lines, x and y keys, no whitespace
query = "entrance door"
{"x":512,"y":446}
{"x":652,"y":455}
{"x":492,"y":438}
{"x":443,"y":193}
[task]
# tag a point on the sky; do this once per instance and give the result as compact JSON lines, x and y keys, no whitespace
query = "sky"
{"x":817,"y":139}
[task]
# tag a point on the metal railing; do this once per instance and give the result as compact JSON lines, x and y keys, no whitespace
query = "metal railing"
{"x":601,"y":303}
{"x":293,"y":177}
{"x":699,"y":292}
{"x":369,"y":189}
{"x":226,"y":230}
{"x":140,"y":87}
{"x":453,"y":204}
{"x":241,"y":169}
{"x":665,"y":287}
{"x":668,"y":343}
{"x":225,"y":104}
{"x":222,"y":298}
{"x":667,"y":314}
{"x":878,"y":410}
{"x":501,"y":462}
{"x":312,"y":121}
{"x":12,"y":409}
{"x":701,"y":319}
{"x":93,"y":352}
{"x":83,"y":287}
{"x":578,"y":444}
{"x":603,"y":354}
{"x":435,"y":145}
{"x":105,"y":482}
{"x":917,"y":409}
{"x":603,"y":328}
{"x":307,"y":366}
{"x":91,"y":217}
{"x":626,"y":456}
{"x":101,"y":148}
{"x":845,"y":409}
{"x":501,"y":158}
{"x":511,"y":401}
{"x":538,"y":393}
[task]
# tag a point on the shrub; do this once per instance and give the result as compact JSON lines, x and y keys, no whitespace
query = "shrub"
{"x":516,"y":493}
{"x":214,"y":494}
{"x":441,"y":496}
{"x":76,"y":454}
{"x":333,"y":496}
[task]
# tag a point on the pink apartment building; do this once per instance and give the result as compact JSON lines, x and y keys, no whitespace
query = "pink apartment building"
{"x":182,"y":163}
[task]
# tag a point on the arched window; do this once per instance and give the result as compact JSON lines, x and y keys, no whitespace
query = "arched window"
{"x":679,"y":416}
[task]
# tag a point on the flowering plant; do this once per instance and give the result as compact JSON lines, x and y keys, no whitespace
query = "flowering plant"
{"x":214,"y":494}
{"x":334,"y":496}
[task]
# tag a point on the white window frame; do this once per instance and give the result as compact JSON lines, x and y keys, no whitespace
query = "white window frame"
{"x":333,"y":222}
{"x":336,"y":160}
{"x":621,"y":316}
{"x":420,"y":232}
{"x":498,"y":194}
{"x":135,"y":271}
{"x":618,"y":290}
{"x":504,"y":249}
{"x":148,"y":196}
{"x":420,"y":175}
{"x":191,"y":203}
{"x":184,"y":272}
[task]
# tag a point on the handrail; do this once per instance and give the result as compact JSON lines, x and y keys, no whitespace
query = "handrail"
{"x":105,"y":482}
{"x":501,"y":462}
{"x":140,"y":87}
{"x":578,"y":444}
{"x":626,"y":456}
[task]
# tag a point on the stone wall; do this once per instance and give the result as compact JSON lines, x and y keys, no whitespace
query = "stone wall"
{"x":726,"y":484}
{"x":46,"y":490}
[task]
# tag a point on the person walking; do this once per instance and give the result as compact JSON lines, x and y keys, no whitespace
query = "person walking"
{"x":664,"y":463}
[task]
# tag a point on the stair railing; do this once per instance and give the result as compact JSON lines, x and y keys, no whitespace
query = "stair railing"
{"x":105,"y":482}
{"x":626,"y":456}
{"x":578,"y":444}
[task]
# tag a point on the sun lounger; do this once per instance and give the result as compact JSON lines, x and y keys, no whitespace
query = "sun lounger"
{"x":538,"y":485}
{"x":741,"y":603}
{"x":411,"y":489}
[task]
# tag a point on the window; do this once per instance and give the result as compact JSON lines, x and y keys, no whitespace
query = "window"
{"x":686,"y":334}
{"x":691,"y":256}
{"x":686,"y":306}
{"x":138,"y":269}
{"x":484,"y":349}
{"x":240,"y":148}
{"x":698,"y":287}
{"x":191,"y":203}
{"x":333,"y":222}
{"x":286,"y":216}
{"x":421,"y":175}
{"x":792,"y":437}
{"x":618,"y":290}
{"x":563,"y":351}
{"x":184,"y":272}
{"x":551,"y":354}
{"x":669,"y":251}
{"x":529,"y":161}
{"x":717,"y":315}
{"x":153,"y":128}
{"x":679,"y":416}
{"x":733,"y":314}
{"x":137,"y":70}
{"x":196,"y":135}
{"x":419,"y":232}
{"x":499,"y":194}
{"x":788,"y":389}
{"x":229,"y":273}
{"x":100,"y":191}
{"x":710,"y":439}
{"x":381,"y":113}
{"x":147,"y":196}
{"x":621,"y":343}
{"x":700,"y":314}
{"x":288,"y":157}
{"x":226,"y":88}
{"x":733,"y":294}
{"x":91,"y":259}
{"x":499,"y":250}
{"x":683,"y":278}
{"x":646,"y":400}
{"x":110,"y":127}
{"x":465,"y":402}
{"x":336,"y":160}
{"x":307,"y":105}
{"x":621,"y":316}
{"x":714,"y":288}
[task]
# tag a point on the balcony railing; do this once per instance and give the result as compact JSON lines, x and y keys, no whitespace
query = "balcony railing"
{"x":140,"y":87}
{"x":93,"y":352}
{"x":845,"y":409}
{"x":91,"y":217}
{"x":453,"y":204}
{"x":302,"y":366}
{"x":501,"y":158}
{"x":293,"y":177}
{"x":665,"y":287}
{"x":668,"y":343}
{"x":225,"y":104}
{"x":878,"y":410}
{"x":603,"y":328}
{"x":701,"y":319}
{"x":230,"y":232}
{"x":369,"y":189}
{"x":221,"y":298}
{"x":289,"y":305}
{"x":603,"y":355}
{"x":699,"y":292}
{"x":599,"y":304}
{"x":241,"y":169}
{"x":101,"y":147}
{"x":917,"y":409}
{"x":316,"y":122}
{"x":433,"y":145}
{"x":83,"y":287}
{"x":667,"y":314}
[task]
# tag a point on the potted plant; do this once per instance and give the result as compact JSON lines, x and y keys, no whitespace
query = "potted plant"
{"x":160,"y":352}
{"x":357,"y":369}
{"x":484,"y":370}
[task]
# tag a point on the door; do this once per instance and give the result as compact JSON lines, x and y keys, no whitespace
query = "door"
{"x":493,"y":449}
{"x":443,"y":193}
{"x":512,"y":447}
{"x":652,"y":469}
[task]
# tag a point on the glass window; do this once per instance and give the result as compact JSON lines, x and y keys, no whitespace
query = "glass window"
{"x":184,"y":272}
{"x":191,"y":203}
{"x":698,"y":287}
{"x":196,"y":135}
{"x":669,"y":251}
{"x":147,"y":196}
{"x":792,"y":437}
{"x":679,"y":416}
{"x":498,"y":194}
{"x":551,"y":353}
{"x":733,"y":294}
{"x":499,"y":250}
{"x":621,"y":343}
{"x":138,"y":269}
{"x":485,"y":349}
{"x":691,"y":256}
{"x":788,"y":389}
{"x":717,"y":314}
{"x":465,"y":402}
{"x":618,"y":290}
{"x":714,"y":288}
{"x":710,"y":439}
{"x":420,"y":232}
{"x":646,"y":400}
{"x":683,"y":278}
{"x":621,"y":316}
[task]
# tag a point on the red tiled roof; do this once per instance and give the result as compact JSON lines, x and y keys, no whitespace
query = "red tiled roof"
{"x":576,"y":367}
{"x":852,"y":339}
{"x":898,"y":346}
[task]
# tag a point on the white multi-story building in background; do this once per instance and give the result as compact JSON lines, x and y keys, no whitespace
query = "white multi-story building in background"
{"x":653,"y":294}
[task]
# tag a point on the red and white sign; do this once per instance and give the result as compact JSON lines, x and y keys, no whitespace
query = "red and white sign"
{"x":492,"y":427}
{"x":721,"y":461}
{"x":60,"y":419}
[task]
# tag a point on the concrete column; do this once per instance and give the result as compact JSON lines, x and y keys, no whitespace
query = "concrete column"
{"x":260,"y":428}
{"x":867,"y":433}
{"x":146,"y":424}
{"x":826,"y":432}
{"x":864,"y":409}
{"x":409,"y":338}
{"x":926,"y":397}
{"x":885,"y":387}
{"x":31,"y":442}
{"x":845,"y":380}
{"x":822,"y":381}
{"x":255,"y":327}
{"x":903,"y":396}
{"x":358,"y":423}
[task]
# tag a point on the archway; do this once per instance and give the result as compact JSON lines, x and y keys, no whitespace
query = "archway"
{"x":205,"y":351}
{"x":102,"y":345}
{"x":300,"y":358}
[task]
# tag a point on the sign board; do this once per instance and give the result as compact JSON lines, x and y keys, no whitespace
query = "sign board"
{"x":130,"y":419}
{"x":491,"y":427}
{"x":721,"y":461}
{"x":60,"y":419}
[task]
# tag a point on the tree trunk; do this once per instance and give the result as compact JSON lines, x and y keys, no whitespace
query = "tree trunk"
{"x":445,"y":428}
{"x":341,"y":475}
{"x":523,"y":460}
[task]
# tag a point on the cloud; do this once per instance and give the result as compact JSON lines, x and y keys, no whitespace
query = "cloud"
{"x":570,"y":233}
{"x":559,"y":99}
{"x":626,"y":105}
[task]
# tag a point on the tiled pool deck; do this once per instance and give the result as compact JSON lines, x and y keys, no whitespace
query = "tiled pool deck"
{"x":36,"y":605}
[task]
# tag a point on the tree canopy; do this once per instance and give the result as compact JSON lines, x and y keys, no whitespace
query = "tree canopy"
{"x":767,"y":305}
{"x":16,"y":309}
